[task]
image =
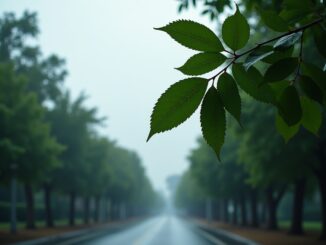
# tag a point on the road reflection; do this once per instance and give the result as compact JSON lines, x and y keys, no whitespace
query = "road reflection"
{"x":162,"y":230}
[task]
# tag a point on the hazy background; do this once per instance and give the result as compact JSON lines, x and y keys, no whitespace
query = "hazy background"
{"x":115,"y":56}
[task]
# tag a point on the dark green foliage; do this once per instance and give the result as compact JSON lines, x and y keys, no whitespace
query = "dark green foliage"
{"x":294,"y":84}
{"x":229,"y":94}
{"x":284,"y":129}
{"x":311,"y":89}
{"x":251,"y":82}
{"x":257,"y":55}
{"x":280,"y":70}
{"x":193,"y":35}
{"x":273,"y":20}
{"x":311,"y":115}
{"x":25,"y":136}
{"x":212,"y":119}
{"x":289,"y":106}
{"x":316,"y":74}
{"x":202,"y":63}
{"x":44,"y":75}
{"x":235,"y":31}
{"x":320,"y":39}
{"x":177,"y":104}
{"x":284,"y":81}
{"x":278,"y":55}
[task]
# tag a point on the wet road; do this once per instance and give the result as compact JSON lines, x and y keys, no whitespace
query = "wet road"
{"x":163,"y":230}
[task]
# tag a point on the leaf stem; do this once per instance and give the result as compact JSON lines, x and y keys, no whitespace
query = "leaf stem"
{"x":297,"y":74}
{"x":227,"y":51}
{"x":223,"y":70}
{"x":237,"y":56}
{"x":302,"y":28}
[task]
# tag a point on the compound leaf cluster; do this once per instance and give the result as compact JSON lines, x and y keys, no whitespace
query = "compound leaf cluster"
{"x":297,"y":89}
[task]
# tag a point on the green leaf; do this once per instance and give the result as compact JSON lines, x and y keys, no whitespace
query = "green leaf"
{"x":311,"y":89}
{"x":257,"y":55}
{"x":289,"y":106}
{"x":295,"y":4}
{"x":287,"y":41}
{"x":278,"y":55}
{"x":177,"y":104}
{"x":311,"y":115}
{"x":294,"y":10}
{"x":292,"y":16}
{"x":278,"y":88}
{"x":285,"y":130}
{"x":320,"y":39}
{"x":193,"y":35}
{"x":273,"y":20}
{"x":235,"y":31}
{"x":202,"y":63}
{"x":317,"y":74}
{"x":250,"y":81}
{"x":280,"y":70}
{"x":212,"y":118}
{"x":229,"y":94}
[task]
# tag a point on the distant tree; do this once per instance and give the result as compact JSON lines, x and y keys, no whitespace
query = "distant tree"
{"x":97,"y":172}
{"x":17,"y":46}
{"x":272,"y":164}
{"x":72,"y":123}
{"x":189,"y":196}
{"x":44,"y":76}
{"x":25,"y":137}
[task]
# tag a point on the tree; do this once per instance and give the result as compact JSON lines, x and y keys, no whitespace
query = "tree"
{"x":189,"y":196}
{"x":71,"y":124}
{"x":29,"y":144}
{"x":97,"y":171}
{"x":319,"y":170}
{"x":44,"y":75}
{"x":272,"y":164}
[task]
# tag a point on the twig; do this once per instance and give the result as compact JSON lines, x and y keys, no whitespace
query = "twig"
{"x":237,"y":56}
{"x":297,"y":74}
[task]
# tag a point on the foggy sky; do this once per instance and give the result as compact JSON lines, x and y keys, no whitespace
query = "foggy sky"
{"x":115,"y":56}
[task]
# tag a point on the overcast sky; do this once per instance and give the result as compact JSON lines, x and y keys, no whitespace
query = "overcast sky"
{"x":115,"y":56}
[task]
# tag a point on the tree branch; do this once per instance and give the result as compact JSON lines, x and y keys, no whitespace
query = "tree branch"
{"x":237,"y":56}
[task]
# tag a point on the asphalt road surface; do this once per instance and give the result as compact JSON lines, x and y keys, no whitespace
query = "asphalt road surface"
{"x":162,"y":230}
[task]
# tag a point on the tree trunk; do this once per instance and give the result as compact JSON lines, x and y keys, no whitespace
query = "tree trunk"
{"x":208,"y":209}
{"x":271,"y":209}
{"x":235,"y":212}
{"x":86,"y":210}
{"x":217,"y":210}
{"x":225,"y":210}
{"x":320,"y":173}
{"x":30,"y":211}
{"x":72,"y":197}
{"x":243,"y":210}
{"x":48,"y":207}
{"x":108,"y":210}
{"x":13,"y":205}
{"x":263,"y":216}
{"x":114,"y":211}
{"x":322,"y":186}
{"x":253,"y":205}
{"x":297,"y":210}
{"x":97,"y":209}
